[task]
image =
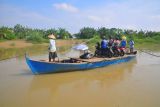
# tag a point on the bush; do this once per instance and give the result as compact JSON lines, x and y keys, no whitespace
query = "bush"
{"x":10,"y":36}
{"x":7,"y":34}
{"x":35,"y":37}
{"x":156,"y":37}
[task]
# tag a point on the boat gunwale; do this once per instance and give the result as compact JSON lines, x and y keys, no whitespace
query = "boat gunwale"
{"x":84,"y":61}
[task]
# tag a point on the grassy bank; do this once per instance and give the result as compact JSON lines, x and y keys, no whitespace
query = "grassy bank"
{"x":13,"y":48}
{"x":151,"y":43}
{"x":148,"y":46}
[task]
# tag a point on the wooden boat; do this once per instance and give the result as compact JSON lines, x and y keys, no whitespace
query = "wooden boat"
{"x":42,"y":66}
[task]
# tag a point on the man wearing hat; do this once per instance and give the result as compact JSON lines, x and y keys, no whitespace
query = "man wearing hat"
{"x":52,"y":48}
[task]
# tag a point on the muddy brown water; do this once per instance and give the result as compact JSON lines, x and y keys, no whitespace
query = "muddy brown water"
{"x":132,"y":84}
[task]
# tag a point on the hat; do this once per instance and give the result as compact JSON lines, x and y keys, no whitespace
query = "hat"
{"x":51,"y":36}
{"x":124,"y":37}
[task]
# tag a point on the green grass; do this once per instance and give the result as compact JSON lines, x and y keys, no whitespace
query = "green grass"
{"x":2,"y":40}
{"x":148,"y":43}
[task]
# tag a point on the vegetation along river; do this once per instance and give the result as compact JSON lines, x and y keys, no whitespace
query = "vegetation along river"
{"x":132,"y":84}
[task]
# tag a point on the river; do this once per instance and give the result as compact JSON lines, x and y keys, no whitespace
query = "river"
{"x":132,"y":84}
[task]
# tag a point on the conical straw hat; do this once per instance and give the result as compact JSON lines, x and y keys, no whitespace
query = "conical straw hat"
{"x":51,"y":36}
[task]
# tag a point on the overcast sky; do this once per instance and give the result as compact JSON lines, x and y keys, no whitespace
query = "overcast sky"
{"x":75,"y":14}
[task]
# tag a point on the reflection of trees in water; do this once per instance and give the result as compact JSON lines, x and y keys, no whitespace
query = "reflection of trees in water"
{"x":49,"y":87}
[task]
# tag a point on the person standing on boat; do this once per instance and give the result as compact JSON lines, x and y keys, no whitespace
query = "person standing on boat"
{"x":52,"y":47}
{"x":131,"y":45}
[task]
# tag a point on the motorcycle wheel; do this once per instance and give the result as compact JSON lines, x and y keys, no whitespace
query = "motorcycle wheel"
{"x":116,"y":53}
{"x":122,"y":53}
{"x":110,"y":55}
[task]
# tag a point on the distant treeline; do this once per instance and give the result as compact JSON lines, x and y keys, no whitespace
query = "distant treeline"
{"x":30,"y":34}
{"x":40,"y":35}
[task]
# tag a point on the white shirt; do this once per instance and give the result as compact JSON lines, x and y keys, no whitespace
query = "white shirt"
{"x":52,"y":45}
{"x":131,"y":43}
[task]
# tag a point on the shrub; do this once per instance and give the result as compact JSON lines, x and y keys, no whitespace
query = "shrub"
{"x":7,"y":34}
{"x":35,"y":37}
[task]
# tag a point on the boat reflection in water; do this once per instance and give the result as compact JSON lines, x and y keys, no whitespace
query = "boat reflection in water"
{"x":100,"y":88}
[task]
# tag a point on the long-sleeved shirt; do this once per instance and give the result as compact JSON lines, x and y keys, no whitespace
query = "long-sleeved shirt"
{"x":131,"y":43}
{"x":52,"y":45}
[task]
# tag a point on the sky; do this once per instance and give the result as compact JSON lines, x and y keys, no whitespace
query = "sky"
{"x":76,"y":14}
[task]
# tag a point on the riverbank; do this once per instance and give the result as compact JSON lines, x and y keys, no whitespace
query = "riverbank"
{"x":24,"y":44}
{"x":148,"y":46}
{"x":14,"y":48}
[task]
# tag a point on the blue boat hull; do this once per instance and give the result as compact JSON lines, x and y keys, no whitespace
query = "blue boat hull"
{"x":41,"y":67}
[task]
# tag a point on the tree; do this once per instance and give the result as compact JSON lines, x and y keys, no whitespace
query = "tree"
{"x":35,"y":36}
{"x":103,"y":32}
{"x":7,"y":33}
{"x":63,"y":34}
{"x":50,"y":31}
{"x":20,"y":31}
{"x":113,"y":32}
{"x":86,"y":33}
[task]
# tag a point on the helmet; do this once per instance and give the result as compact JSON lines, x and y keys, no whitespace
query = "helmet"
{"x":124,"y":37}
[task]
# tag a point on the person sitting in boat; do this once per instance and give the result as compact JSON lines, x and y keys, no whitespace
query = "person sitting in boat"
{"x":110,"y":44}
{"x":123,"y":42}
{"x":116,"y":42}
{"x":115,"y":47}
{"x":131,"y":46}
{"x":87,"y":55}
{"x":98,"y":49}
{"x":52,"y":48}
{"x":111,"y":41}
{"x":104,"y":45}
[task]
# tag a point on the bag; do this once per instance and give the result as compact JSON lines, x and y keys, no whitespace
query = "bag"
{"x":86,"y":56}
